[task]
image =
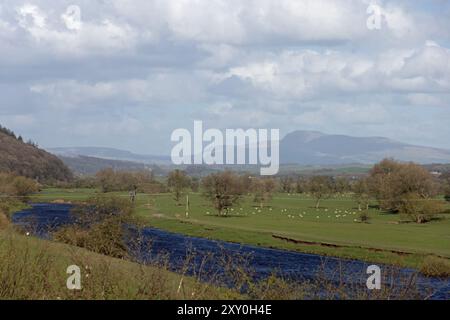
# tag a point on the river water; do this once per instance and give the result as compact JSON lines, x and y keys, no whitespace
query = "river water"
{"x":153,"y":243}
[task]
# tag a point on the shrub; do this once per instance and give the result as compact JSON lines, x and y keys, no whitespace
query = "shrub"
{"x":17,"y":186}
{"x":23,"y":187}
{"x":364,"y":217}
{"x":435,"y":267}
{"x":419,"y":210}
{"x":99,"y":226}
{"x":105,"y":237}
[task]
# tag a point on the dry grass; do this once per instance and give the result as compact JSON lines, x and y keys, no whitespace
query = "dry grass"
{"x":4,"y":221}
{"x":36,"y":269}
{"x":434,"y":266}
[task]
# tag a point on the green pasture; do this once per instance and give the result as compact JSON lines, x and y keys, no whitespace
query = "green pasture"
{"x":333,"y":229}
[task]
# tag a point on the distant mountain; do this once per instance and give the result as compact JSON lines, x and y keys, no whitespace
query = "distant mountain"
{"x":83,"y":165}
{"x":297,"y":148}
{"x":312,"y":147}
{"x":26,"y":159}
{"x":109,"y":153}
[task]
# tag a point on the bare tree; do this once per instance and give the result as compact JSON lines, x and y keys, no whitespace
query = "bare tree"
{"x":178,"y":181}
{"x":223,"y":190}
{"x":301,"y":185}
{"x":341,"y":185}
{"x":361,"y":193}
{"x":286,"y":184}
{"x":263,"y":190}
{"x":320,"y":188}
{"x":405,"y":188}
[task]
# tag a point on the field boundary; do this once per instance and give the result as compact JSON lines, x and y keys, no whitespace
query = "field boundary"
{"x":332,"y":245}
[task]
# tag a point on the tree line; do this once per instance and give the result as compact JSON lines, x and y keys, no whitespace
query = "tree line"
{"x":399,"y":188}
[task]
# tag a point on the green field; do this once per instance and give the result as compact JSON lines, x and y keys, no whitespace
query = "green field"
{"x":331,"y":230}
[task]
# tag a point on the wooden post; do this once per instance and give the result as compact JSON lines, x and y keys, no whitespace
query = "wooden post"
{"x":187,"y":206}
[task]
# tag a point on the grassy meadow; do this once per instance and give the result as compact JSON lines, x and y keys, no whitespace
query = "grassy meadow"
{"x":290,"y":221}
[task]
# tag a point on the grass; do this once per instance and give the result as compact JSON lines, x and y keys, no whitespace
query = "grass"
{"x":31,"y":268}
{"x":330,"y":230}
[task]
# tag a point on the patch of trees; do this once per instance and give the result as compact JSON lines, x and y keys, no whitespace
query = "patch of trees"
{"x":8,"y":132}
{"x":109,"y":180}
{"x":27,"y":160}
{"x":17,"y":186}
{"x":405,"y":188}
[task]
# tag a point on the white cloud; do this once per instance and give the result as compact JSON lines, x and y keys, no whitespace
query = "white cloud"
{"x":72,"y":36}
{"x":157,"y":89}
{"x":307,"y":74}
{"x":74,"y":94}
{"x":284,"y":63}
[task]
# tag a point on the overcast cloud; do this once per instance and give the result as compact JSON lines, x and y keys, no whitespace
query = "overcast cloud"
{"x":127,"y":73}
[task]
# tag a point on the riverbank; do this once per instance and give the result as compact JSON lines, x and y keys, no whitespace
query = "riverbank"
{"x":33,"y":268}
{"x":385,"y":239}
{"x":261,"y":271}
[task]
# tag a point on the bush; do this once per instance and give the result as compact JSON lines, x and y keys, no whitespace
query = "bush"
{"x":105,"y":237}
{"x":17,"y":186}
{"x":435,"y":267}
{"x":99,"y":226}
{"x":23,"y":187}
{"x":364,"y":217}
{"x":420,"y":210}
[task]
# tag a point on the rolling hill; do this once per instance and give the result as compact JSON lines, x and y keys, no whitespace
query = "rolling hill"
{"x":26,"y":159}
{"x":84,"y":165}
{"x":312,"y":147}
{"x":109,"y":153}
{"x":305,"y":148}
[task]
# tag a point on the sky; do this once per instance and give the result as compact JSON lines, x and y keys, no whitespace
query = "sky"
{"x":125,"y":74}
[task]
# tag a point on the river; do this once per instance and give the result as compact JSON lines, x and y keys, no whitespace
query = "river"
{"x":264,"y":261}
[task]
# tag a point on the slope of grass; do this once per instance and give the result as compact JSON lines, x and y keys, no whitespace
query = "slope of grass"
{"x":31,"y":268}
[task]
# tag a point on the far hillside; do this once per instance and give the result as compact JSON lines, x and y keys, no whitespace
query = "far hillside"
{"x":26,"y":159}
{"x":83,"y":165}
